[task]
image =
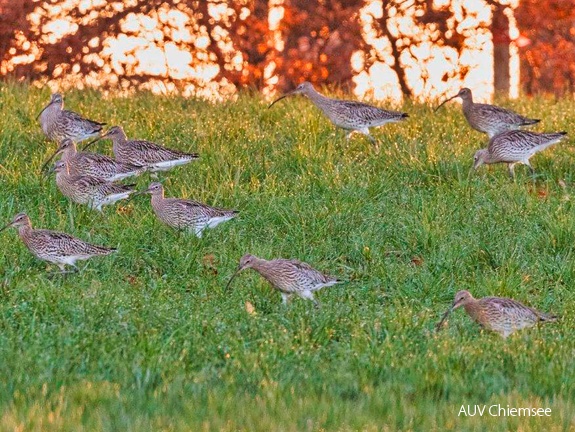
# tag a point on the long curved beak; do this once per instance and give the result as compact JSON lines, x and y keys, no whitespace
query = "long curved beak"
{"x":239,"y":269}
{"x":94,"y":141}
{"x":40,"y":113}
{"x":445,"y":101}
{"x":6,"y":226}
{"x":142,"y":192}
{"x":280,"y":98}
{"x":443,"y":318}
{"x":50,"y":159}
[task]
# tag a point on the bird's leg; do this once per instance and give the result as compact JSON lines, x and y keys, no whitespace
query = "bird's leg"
{"x":74,"y":269}
{"x":63,"y":270}
{"x":526,"y":162}
{"x":199,"y":231}
{"x":365,"y":131}
{"x":285,"y":298}
{"x":348,"y":135}
{"x":511,"y":168}
{"x":309,"y":296}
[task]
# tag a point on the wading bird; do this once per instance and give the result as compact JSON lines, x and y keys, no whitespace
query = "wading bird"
{"x":288,"y":276}
{"x":501,"y":315}
{"x":55,"y":247}
{"x":349,"y":115}
{"x":489,"y":119}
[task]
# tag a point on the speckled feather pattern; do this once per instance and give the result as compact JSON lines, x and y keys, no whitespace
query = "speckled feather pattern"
{"x":353,"y":115}
{"x":59,"y":124}
{"x":145,"y":153}
{"x":55,"y":246}
{"x":518,"y":145}
{"x":292,"y":276}
{"x":186,"y":214}
{"x":491,"y":119}
{"x":98,"y":165}
{"x":89,"y":190}
{"x":503,"y":315}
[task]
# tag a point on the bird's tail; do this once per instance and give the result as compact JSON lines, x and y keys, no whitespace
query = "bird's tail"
{"x":101,"y":250}
{"x":528,"y":121}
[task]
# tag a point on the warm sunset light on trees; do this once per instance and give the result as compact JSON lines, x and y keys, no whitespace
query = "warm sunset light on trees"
{"x":211,"y":48}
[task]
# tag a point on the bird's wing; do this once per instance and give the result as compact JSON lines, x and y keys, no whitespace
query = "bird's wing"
{"x":115,"y":188}
{"x":151,"y":152}
{"x":95,"y":158}
{"x":67,"y":244}
{"x":508,"y":306}
{"x":204,"y":209}
{"x":311,"y":273}
{"x":75,"y":117}
{"x":86,"y":181}
{"x":369,"y":113}
{"x":508,"y":116}
{"x":51,"y":236}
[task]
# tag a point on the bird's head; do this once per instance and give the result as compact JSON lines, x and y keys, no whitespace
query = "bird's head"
{"x":247,"y":261}
{"x":480,"y":157}
{"x":304,"y":88}
{"x":461,"y":298}
{"x":21,"y":219}
{"x":155,"y":188}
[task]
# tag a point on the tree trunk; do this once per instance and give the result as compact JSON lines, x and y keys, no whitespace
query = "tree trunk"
{"x":501,"y":53}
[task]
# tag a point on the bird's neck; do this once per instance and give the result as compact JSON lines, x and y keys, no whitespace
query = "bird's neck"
{"x":157,"y":198}
{"x":69,"y":153}
{"x":24,"y":230}
{"x":51,"y":112}
{"x":118,"y":142}
{"x":263,"y":267}
{"x":472,"y":308}
{"x":467,"y":102}
{"x":488,"y":158}
{"x":62,"y":178}
{"x":316,"y":97}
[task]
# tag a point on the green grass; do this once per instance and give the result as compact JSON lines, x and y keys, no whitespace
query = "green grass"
{"x":148,"y":339}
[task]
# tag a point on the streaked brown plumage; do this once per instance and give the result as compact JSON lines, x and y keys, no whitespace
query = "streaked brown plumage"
{"x":289,"y":276}
{"x":349,"y":115}
{"x":91,"y":191}
{"x":489,"y":119}
{"x":145,"y":153}
{"x":94,"y":164}
{"x":501,"y":315}
{"x":186,"y":214}
{"x":55,"y":247}
{"x":516,"y":146}
{"x":58,"y":123}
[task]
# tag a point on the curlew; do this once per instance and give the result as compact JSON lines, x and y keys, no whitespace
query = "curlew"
{"x":59,"y":124}
{"x":288,"y":276}
{"x":501,"y":315}
{"x":145,"y":153}
{"x":489,"y":119}
{"x":513,"y":147}
{"x":91,"y":191}
{"x":55,"y":247}
{"x":93,"y":164}
{"x":186,"y":214}
{"x":349,"y":115}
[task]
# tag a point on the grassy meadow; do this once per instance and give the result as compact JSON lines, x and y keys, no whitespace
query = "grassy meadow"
{"x":148,"y":340}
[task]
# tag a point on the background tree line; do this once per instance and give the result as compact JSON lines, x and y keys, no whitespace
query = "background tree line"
{"x":312,"y":40}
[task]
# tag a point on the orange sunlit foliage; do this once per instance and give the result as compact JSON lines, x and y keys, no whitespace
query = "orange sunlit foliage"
{"x":211,"y":48}
{"x":548,"y":52}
